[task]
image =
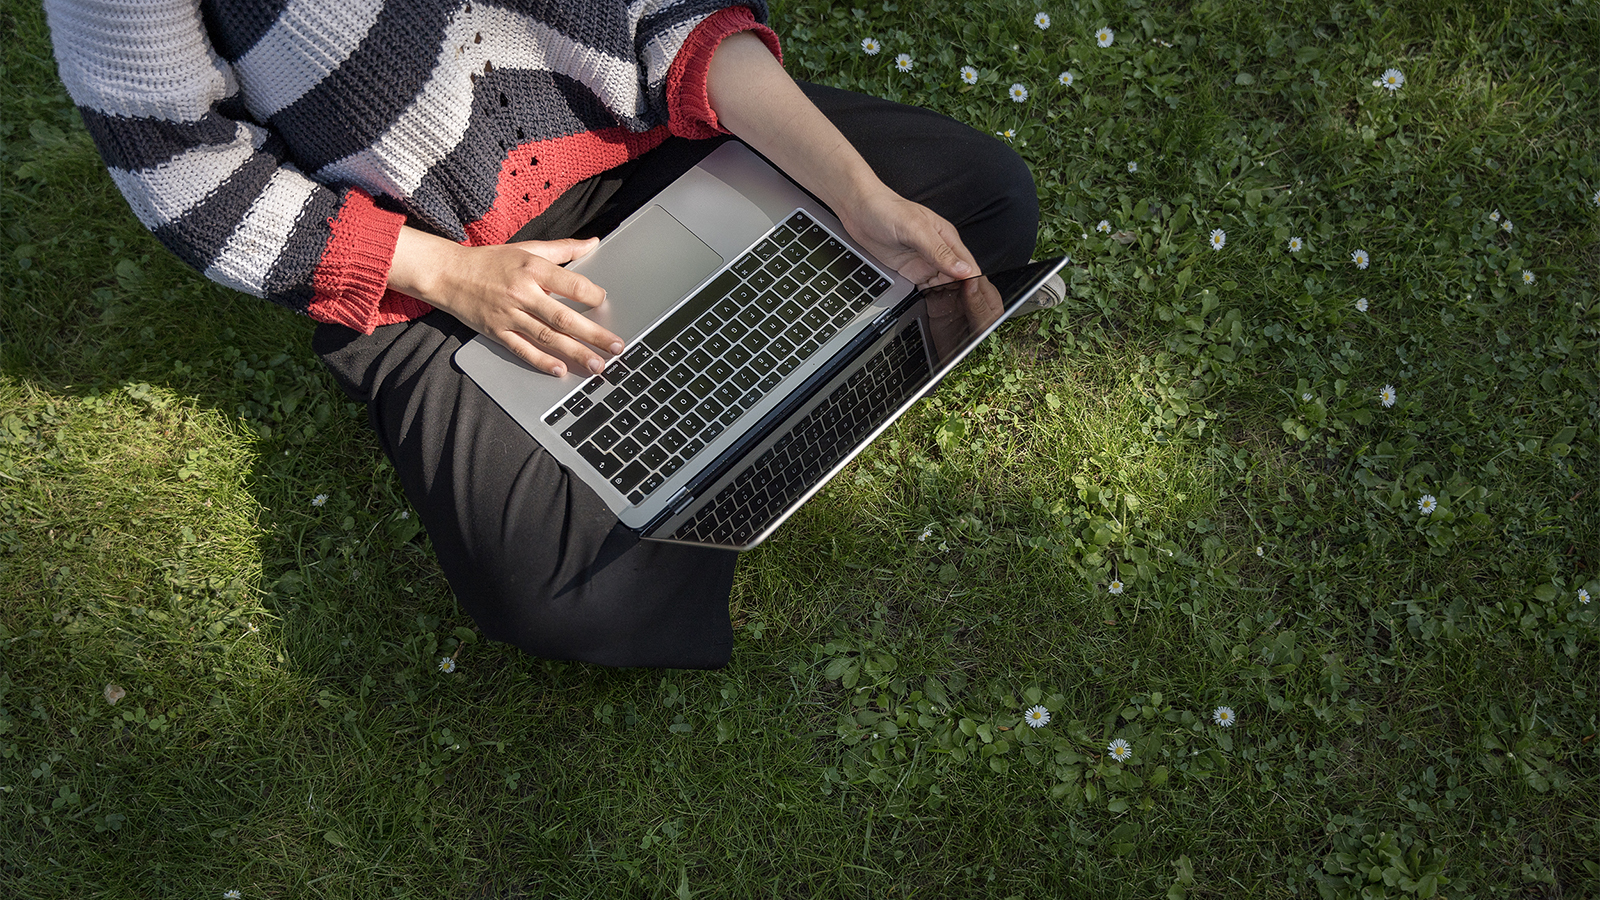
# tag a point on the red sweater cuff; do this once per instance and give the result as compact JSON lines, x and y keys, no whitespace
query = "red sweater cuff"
{"x":689,"y":112}
{"x":351,"y":281}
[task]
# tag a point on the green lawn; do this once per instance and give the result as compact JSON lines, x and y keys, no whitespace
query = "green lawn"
{"x":1180,"y":491}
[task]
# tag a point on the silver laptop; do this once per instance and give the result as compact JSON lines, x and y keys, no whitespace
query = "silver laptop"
{"x":765,"y":349}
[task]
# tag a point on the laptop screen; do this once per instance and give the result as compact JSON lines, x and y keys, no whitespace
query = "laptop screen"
{"x":933,"y":331}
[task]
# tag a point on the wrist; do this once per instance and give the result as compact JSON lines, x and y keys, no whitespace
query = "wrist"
{"x":421,"y":263}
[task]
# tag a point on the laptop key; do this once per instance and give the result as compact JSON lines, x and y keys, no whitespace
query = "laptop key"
{"x":727,"y":307}
{"x":746,"y":378}
{"x":773,"y":326}
{"x":605,"y":438}
{"x":767,"y":249}
{"x":643,"y":405}
{"x":636,"y":383}
{"x":803,"y":271}
{"x":585,"y":425}
{"x":691,"y":337}
{"x":719,"y":371}
{"x":654,"y":368}
{"x":735,"y":330}
{"x":698,"y":360}
{"x":673,"y":353}
{"x":701,"y":387}
{"x":683,"y":401}
{"x":730,"y":415}
{"x":629,"y":477}
{"x":737,"y":355}
{"x":554,"y":415}
{"x":824,"y":282}
{"x":788,"y":364}
{"x":813,"y":236}
{"x":673,"y":441}
{"x":578,"y":405}
{"x":649,"y":486}
{"x":709,"y":409}
{"x":769,"y":382}
{"x":627,"y":450}
{"x":671,"y":465}
{"x":763,"y":363}
{"x":815,"y":318}
{"x":691,"y":425}
{"x":790,"y":311}
{"x":625,"y":421}
{"x":664,"y":417}
{"x":751,"y":316}
{"x":727,"y":393}
{"x":680,"y":376}
{"x":782,"y":346}
{"x":828,"y":330}
{"x":749,"y":264}
{"x":768,"y":301}
{"x":646,"y":433}
{"x":712,"y":429}
{"x":661,"y":391}
{"x":716,"y":345}
{"x":786,"y":287}
{"x":807,"y":296}
{"x":654,"y":456}
{"x":798,"y":332}
{"x":603,"y":462}
{"x":694,"y":446}
{"x":760,"y":279}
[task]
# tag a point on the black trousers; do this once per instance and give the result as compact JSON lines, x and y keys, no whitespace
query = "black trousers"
{"x":530,"y":552}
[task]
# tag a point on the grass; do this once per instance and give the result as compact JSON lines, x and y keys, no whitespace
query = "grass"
{"x":1416,"y":693}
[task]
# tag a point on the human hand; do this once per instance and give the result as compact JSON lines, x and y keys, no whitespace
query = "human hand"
{"x":919,"y":243}
{"x":509,"y":292}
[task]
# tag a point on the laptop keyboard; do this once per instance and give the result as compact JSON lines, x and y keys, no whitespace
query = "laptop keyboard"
{"x":719,"y":353}
{"x":815,"y":444}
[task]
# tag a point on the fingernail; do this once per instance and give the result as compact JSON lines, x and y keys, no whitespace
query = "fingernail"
{"x":595,"y":365}
{"x":558,"y":371}
{"x":616,"y":347}
{"x":962,"y":268}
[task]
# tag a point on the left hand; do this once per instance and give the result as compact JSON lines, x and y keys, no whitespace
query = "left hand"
{"x":919,"y":243}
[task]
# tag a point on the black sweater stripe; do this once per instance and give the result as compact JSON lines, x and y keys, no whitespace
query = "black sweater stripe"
{"x":456,"y":184}
{"x":370,"y":89}
{"x":289,"y":280}
{"x":236,"y":25}
{"x":583,"y":22}
{"x":201,"y":233}
{"x":133,"y":144}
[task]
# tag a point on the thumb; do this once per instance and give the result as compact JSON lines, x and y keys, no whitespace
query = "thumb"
{"x":559,"y":252}
{"x":940,"y":249}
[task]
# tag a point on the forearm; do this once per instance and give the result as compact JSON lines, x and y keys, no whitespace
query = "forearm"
{"x":756,"y":99}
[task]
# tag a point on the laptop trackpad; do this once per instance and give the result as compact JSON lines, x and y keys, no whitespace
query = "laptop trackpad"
{"x":645,"y":267}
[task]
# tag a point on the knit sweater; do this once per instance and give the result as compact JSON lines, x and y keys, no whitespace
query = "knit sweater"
{"x":278,"y":146}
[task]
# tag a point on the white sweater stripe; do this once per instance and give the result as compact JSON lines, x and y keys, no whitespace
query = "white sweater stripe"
{"x":162,"y":194}
{"x":309,"y":40}
{"x":254,"y":247}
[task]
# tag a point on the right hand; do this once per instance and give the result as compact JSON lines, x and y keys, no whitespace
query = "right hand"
{"x":508,"y":292}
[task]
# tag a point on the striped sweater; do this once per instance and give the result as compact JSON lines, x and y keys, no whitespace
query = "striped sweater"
{"x":279,"y":145}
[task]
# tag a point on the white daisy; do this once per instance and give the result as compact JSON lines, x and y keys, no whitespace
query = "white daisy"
{"x":1305,"y":397}
{"x":1104,"y":37}
{"x":1219,"y":239}
{"x":1066,"y":79}
{"x":232,"y":894}
{"x":1036,"y":717}
{"x":1595,"y":199}
{"x":1119,"y":750}
{"x":870,"y":46}
{"x":1042,"y":20}
{"x":1506,"y":226}
{"x":926,"y":533}
{"x":1377,"y":82}
{"x":447,"y":664}
{"x":1583,"y":595}
{"x":1427,"y":504}
{"x":1295,"y":244}
{"x":1360,"y":258}
{"x":903,"y":62}
{"x":1387,"y":396}
{"x":1223,"y":715}
{"x":1008,"y":134}
{"x":1260,"y":551}
{"x":1115,"y":586}
{"x":1018,"y":93}
{"x":319,"y":499}
{"x":1494,"y":216}
{"x":1132,"y":167}
{"x":1104,"y":227}
{"x":1528,"y":277}
{"x":1393,"y":80}
{"x":1361,"y":304}
{"x":969,"y":75}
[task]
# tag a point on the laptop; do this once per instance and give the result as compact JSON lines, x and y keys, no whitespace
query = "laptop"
{"x":764,"y":351}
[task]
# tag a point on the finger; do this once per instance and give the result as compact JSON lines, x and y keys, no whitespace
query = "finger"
{"x":550,"y":333}
{"x":571,"y":285}
{"x":554,"y":314}
{"x":530,"y":354}
{"x":941,"y":246}
{"x":559,"y":252}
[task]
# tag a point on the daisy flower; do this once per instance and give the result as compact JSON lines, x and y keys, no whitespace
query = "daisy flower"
{"x":1387,"y":396}
{"x":1115,"y":586}
{"x":405,"y":514}
{"x":1494,"y":216}
{"x":1008,"y":134}
{"x":1119,"y":750}
{"x":1066,"y":79}
{"x":1360,"y":258}
{"x":1042,"y":20}
{"x":1361,"y":304}
{"x":1260,"y":551}
{"x":1583,"y":595}
{"x":1528,"y":277}
{"x":1104,"y":227}
{"x":926,"y":533}
{"x":1595,"y":199}
{"x":1104,"y":37}
{"x":1427,"y":504}
{"x":232,"y":894}
{"x":1295,"y":244}
{"x":1219,"y":239}
{"x":1305,"y":397}
{"x":319,"y":499}
{"x":1132,"y":167}
{"x":903,"y":62}
{"x":1506,"y":226}
{"x":1223,"y":715}
{"x":447,"y":664}
{"x":969,"y":75}
{"x":1393,"y":80}
{"x":1018,"y":93}
{"x":870,"y":46}
{"x":1036,"y":717}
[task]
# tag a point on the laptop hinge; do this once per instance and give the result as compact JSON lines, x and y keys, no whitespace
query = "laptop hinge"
{"x":678,"y":501}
